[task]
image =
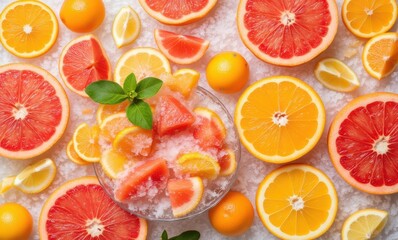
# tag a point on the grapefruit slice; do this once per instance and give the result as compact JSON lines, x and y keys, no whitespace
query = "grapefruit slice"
{"x":209,"y":129}
{"x":227,"y":162}
{"x":177,"y":12}
{"x":82,"y":62}
{"x":287,"y":34}
{"x":185,"y":195}
{"x":363,"y":143}
{"x":80,"y":209}
{"x":34,"y":111}
{"x":181,"y":49}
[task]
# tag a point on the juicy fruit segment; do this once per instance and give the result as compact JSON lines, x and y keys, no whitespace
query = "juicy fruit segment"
{"x":380,"y":55}
{"x":73,"y":156}
{"x":227,"y":162}
{"x":335,"y":75}
{"x":183,"y":81}
{"x":209,"y":129}
{"x":304,"y":208}
{"x":198,"y":164}
{"x":34,"y":111}
{"x":364,"y":224}
{"x":113,"y":162}
{"x":105,"y":111}
{"x":287,"y":34}
{"x":15,"y":222}
{"x":279,"y":119}
{"x":85,"y":141}
{"x":134,"y":141}
{"x":28,"y":21}
{"x":181,"y":49}
{"x":153,"y":173}
{"x":82,"y":62}
{"x":368,"y":18}
{"x":114,"y":124}
{"x":101,"y":219}
{"x":175,"y":12}
{"x":6,"y":184}
{"x":126,"y":27}
{"x":171,"y":116}
{"x":362,"y":143}
{"x":185,"y":195}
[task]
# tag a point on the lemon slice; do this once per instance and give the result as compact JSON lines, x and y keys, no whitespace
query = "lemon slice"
{"x":126,"y":27}
{"x":114,"y":124}
{"x":113,"y":162}
{"x":105,"y":111}
{"x":36,"y":177}
{"x":134,"y":141}
{"x":72,"y":154}
{"x":198,"y":164}
{"x":85,"y":141}
{"x":364,"y":224}
{"x":336,"y":76}
{"x":6,"y":184}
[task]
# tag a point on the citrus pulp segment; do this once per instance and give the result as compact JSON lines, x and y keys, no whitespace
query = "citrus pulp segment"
{"x":297,"y":201}
{"x":113,"y":162}
{"x":86,"y":142}
{"x":100,"y":219}
{"x":227,"y":162}
{"x":279,"y":119}
{"x":126,"y":27}
{"x":134,"y":141}
{"x":73,"y":156}
{"x":362,"y":143}
{"x":364,"y":224}
{"x":287,"y":33}
{"x":28,"y":28}
{"x":6,"y":184}
{"x":105,"y":111}
{"x":183,"y":81}
{"x":176,"y":12}
{"x":114,"y":124}
{"x":198,"y":164}
{"x":34,"y":111}
{"x":82,"y":62}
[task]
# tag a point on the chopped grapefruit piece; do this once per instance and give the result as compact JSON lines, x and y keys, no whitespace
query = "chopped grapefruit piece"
{"x":209,"y":129}
{"x":134,"y":141}
{"x":227,"y":162}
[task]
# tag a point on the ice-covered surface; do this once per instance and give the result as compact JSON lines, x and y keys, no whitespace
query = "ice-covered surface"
{"x":220,"y":28}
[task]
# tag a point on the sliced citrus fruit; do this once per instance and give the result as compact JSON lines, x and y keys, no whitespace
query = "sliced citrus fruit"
{"x":153,"y":171}
{"x":126,"y":27}
{"x":227,"y":162}
{"x":368,"y":18}
{"x":364,"y":224}
{"x":105,"y":111}
{"x":363,"y":140}
{"x":209,"y":129}
{"x":73,"y":156}
{"x":34,"y":111}
{"x":183,"y":81}
{"x":287,"y":34}
{"x":85,"y":142}
{"x":185,"y":195}
{"x":36,"y":177}
{"x":198,"y":164}
{"x":143,"y":62}
{"x":134,"y":141}
{"x":28,"y":28}
{"x":6,"y":184}
{"x":113,"y":124}
{"x":380,"y":55}
{"x":297,"y":201}
{"x":279,"y":119}
{"x":113,"y":162}
{"x":335,"y":75}
{"x":101,"y":219}
{"x":176,"y":12}
{"x":181,"y":49}
{"x":82,"y":62}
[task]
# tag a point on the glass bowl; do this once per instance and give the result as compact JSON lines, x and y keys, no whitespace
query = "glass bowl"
{"x":214,"y":190}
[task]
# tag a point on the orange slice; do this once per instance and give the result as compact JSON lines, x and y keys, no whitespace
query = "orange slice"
{"x":126,"y":27}
{"x":198,"y":164}
{"x":113,"y":124}
{"x":297,"y":202}
{"x":105,"y":111}
{"x":112,"y":162}
{"x":28,"y":29}
{"x":183,"y":81}
{"x":85,"y":141}
{"x":73,"y":156}
{"x":364,"y":224}
{"x":279,"y":119}
{"x":134,"y":141}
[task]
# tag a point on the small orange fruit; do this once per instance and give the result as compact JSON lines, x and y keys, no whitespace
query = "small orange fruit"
{"x":233,"y":215}
{"x":82,"y":16}
{"x":15,"y":222}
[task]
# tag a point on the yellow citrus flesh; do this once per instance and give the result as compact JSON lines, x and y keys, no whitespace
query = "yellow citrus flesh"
{"x":368,"y":18}
{"x":73,"y":156}
{"x":113,"y":124}
{"x":143,"y":62}
{"x":335,"y":75}
{"x":297,"y":202}
{"x":126,"y":27}
{"x":113,"y":162}
{"x":279,"y":119}
{"x":36,"y":177}
{"x":28,"y":29}
{"x":198,"y":164}
{"x":183,"y":81}
{"x":105,"y":111}
{"x":85,"y":141}
{"x":134,"y":141}
{"x":16,"y":222}
{"x":380,"y":55}
{"x":211,"y":115}
{"x":6,"y":184}
{"x":364,"y":224}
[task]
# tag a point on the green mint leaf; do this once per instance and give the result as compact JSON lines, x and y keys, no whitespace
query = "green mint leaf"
{"x":130,"y":83}
{"x":164,"y":235}
{"x":188,"y":235}
{"x":139,"y":113}
{"x":148,"y":87}
{"x":106,"y":92}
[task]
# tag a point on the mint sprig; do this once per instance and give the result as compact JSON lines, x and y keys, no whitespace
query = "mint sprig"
{"x":188,"y":235}
{"x":138,"y":112}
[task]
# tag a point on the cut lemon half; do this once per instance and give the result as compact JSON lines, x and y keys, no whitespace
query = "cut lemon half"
{"x":85,"y":141}
{"x":113,"y":124}
{"x":364,"y":224}
{"x":28,"y":29}
{"x":183,"y":81}
{"x":336,"y":76}
{"x":113,"y":162}
{"x":368,"y":18}
{"x":36,"y":177}
{"x":126,"y":27}
{"x":185,"y":195}
{"x":297,"y":201}
{"x":134,"y":141}
{"x":198,"y":164}
{"x":380,"y":55}
{"x":105,"y":111}
{"x":6,"y":184}
{"x":279,"y":119}
{"x":73,"y":156}
{"x":143,"y":62}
